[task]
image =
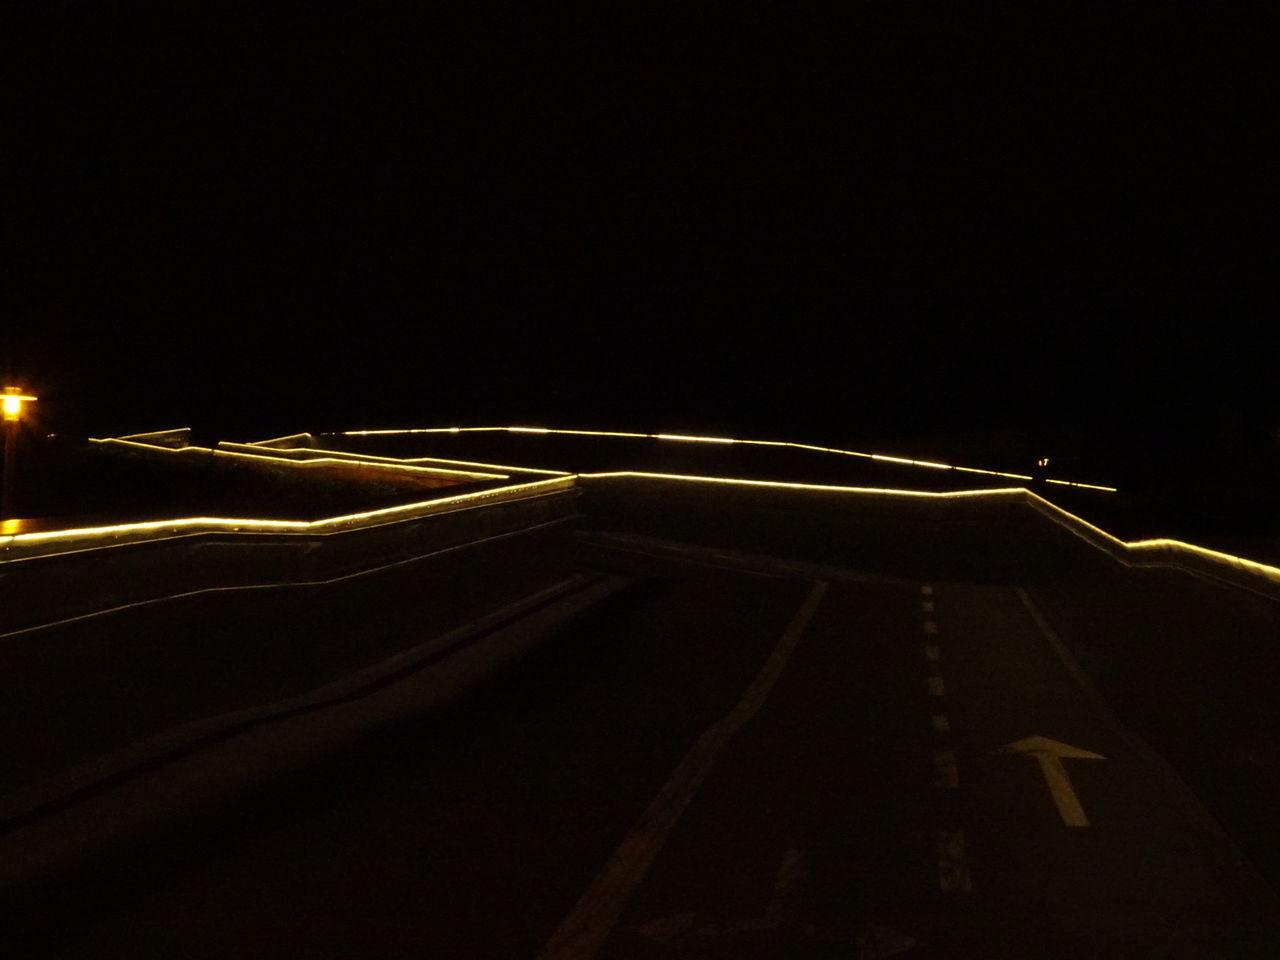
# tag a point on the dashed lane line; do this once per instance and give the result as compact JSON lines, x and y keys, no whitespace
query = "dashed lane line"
{"x":953,"y":869}
{"x":946,"y":775}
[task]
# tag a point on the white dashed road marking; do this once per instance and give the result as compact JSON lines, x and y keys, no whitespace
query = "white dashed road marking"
{"x":953,"y":871}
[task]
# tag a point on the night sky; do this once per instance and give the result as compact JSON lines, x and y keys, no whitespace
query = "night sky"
{"x":875,"y":222}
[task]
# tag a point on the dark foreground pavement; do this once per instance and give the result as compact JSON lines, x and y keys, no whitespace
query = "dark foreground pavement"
{"x":726,"y":759}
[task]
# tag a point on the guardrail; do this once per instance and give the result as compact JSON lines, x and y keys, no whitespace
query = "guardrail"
{"x":309,"y":439}
{"x":903,"y":531}
{"x":63,"y":574}
{"x":59,"y":573}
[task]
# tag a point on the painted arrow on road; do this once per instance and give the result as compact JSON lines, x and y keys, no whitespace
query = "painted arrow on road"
{"x":1049,"y":753}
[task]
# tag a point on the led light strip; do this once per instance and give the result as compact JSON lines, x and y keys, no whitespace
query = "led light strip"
{"x":785,"y":485}
{"x":292,"y":436}
{"x":292,"y":461}
{"x":329,"y":524}
{"x":696,"y":439}
{"x":1148,"y":545}
{"x":567,"y":481}
{"x":411,"y":462}
{"x":1053,"y":511}
{"x":1154,"y":545}
{"x":1137,"y":547}
{"x":305,"y":455}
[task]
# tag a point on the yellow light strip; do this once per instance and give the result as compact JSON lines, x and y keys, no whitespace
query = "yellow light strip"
{"x":1137,"y":546}
{"x":381,"y":433}
{"x":567,"y":481}
{"x":303,"y":455}
{"x":1078,"y":520}
{"x":687,"y":439}
{"x":597,"y":433}
{"x":292,"y":461}
{"x":785,"y":485}
{"x":463,"y":463}
{"x":914,"y":463}
{"x":212,"y":524}
{"x":995,"y":473}
{"x":154,"y":433}
{"x":695,"y":439}
{"x":491,"y":466}
{"x":1091,"y":486}
{"x":1161,"y":543}
{"x":292,"y":436}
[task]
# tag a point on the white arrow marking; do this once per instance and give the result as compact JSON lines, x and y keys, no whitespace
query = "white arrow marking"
{"x":1049,"y":754}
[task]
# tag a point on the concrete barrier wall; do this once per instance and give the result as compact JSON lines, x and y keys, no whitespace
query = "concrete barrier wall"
{"x":1012,"y":536}
{"x":38,"y":590}
{"x":983,"y":538}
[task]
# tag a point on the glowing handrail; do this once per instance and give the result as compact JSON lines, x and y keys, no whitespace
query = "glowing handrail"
{"x":290,"y":436}
{"x":305,"y":455}
{"x":260,"y":525}
{"x":686,"y":438}
{"x":787,"y":485}
{"x":1151,"y":545}
{"x":348,"y":456}
{"x":1135,"y":546}
{"x":565,"y":481}
{"x":292,"y":461}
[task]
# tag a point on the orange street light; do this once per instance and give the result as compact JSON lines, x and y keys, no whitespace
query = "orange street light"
{"x":11,"y":402}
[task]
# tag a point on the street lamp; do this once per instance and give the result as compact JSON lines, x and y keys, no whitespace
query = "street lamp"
{"x":11,"y":402}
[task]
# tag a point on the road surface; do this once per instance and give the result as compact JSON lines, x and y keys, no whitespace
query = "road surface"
{"x":727,"y":759}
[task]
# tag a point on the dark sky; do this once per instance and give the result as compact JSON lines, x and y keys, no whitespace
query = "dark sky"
{"x":831,"y":220}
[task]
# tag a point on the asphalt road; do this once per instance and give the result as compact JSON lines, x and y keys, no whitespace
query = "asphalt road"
{"x":713,"y":763}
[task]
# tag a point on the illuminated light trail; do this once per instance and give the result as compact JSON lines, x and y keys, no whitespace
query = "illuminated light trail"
{"x":1057,"y":513}
{"x":491,"y":466}
{"x":366,"y":518}
{"x":696,"y":439}
{"x":998,"y":473}
{"x":1075,"y":524}
{"x":348,"y":456}
{"x":305,"y":455}
{"x":273,"y":585}
{"x":914,"y":463}
{"x":785,"y":485}
{"x":1137,"y":546}
{"x":600,"y":433}
{"x":262,"y":443}
{"x":1091,"y":486}
{"x":295,"y":461}
{"x":680,"y":436}
{"x":382,"y":433}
